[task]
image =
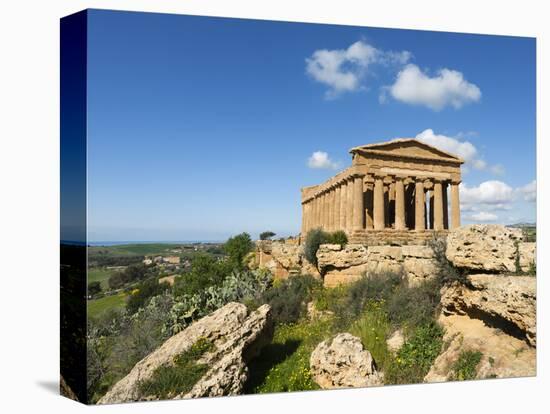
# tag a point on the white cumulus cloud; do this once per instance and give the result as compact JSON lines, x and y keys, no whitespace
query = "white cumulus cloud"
{"x":483,"y":216}
{"x":321,"y":160}
{"x":343,"y":70}
{"x":447,"y":88}
{"x":464,"y":149}
{"x":529,"y":191}
{"x":489,"y":192}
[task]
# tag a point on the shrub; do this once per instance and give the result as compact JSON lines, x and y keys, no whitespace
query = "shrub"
{"x":412,"y":306}
{"x":205,"y":271}
{"x":94,"y":288}
{"x":179,"y":377}
{"x":416,"y":356}
{"x":237,"y":248}
{"x":288,"y":298}
{"x":132,"y":273}
{"x":144,"y":292}
{"x":352,"y":299}
{"x":266,"y":235}
{"x":316,"y":237}
{"x":372,"y":328}
{"x":337,"y":237}
{"x":446,"y":272}
{"x":466,"y":366}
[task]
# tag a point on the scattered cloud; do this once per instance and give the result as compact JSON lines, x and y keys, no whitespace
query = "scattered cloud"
{"x":464,"y":149}
{"x":447,"y":88}
{"x":321,"y":160}
{"x":483,"y":216}
{"x":343,"y":70}
{"x":489,"y":192}
{"x":529,"y":191}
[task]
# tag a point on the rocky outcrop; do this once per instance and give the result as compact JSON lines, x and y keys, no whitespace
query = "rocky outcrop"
{"x":283,"y":259}
{"x":342,"y":362}
{"x":484,"y":247}
{"x":349,"y":263}
{"x":507,"y":302}
{"x":503,"y":355}
{"x":527,"y":256}
{"x":236,"y":337}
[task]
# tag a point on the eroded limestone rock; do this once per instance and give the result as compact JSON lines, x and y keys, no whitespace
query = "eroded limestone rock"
{"x":527,"y":255}
{"x":508,"y":302}
{"x":342,"y":362}
{"x":236,"y":337}
{"x":395,"y":341}
{"x":503,"y":356}
{"x":485,"y":247}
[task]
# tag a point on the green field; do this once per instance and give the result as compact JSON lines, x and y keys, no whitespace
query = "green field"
{"x":134,"y":249}
{"x":100,"y":274}
{"x":98,"y":306}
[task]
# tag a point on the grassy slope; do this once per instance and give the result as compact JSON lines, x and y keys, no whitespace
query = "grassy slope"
{"x":135,"y":249}
{"x":97,"y":306}
{"x":99,"y":274}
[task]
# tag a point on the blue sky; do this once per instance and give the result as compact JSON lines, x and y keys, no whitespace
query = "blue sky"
{"x":200,"y":127}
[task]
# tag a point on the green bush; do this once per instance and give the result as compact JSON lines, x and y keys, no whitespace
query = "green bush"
{"x":416,"y":356}
{"x":205,"y":271}
{"x":143,"y":292}
{"x":316,"y":237}
{"x":337,"y":237}
{"x":465,"y":368}
{"x":237,"y":248}
{"x":180,"y":377}
{"x":373,"y":328}
{"x":445,"y":271}
{"x":94,"y":288}
{"x":350,"y":301}
{"x":412,"y":306}
{"x":288,"y":298}
{"x":132,"y":273}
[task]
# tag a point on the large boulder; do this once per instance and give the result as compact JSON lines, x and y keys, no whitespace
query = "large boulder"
{"x":236,"y":336}
{"x":485,"y":247}
{"x":342,"y":362}
{"x":507,"y":302}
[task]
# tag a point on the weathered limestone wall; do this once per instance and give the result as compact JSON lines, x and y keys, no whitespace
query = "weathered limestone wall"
{"x":476,"y":248}
{"x":344,"y":265}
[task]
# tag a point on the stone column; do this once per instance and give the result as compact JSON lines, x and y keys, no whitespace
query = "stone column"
{"x":324,"y":220}
{"x":419,"y":206}
{"x":358,"y":203}
{"x":330,"y":209}
{"x":336,"y":219}
{"x":342,"y":209}
{"x":304,"y":218}
{"x":445,"y":206}
{"x":368,"y":191}
{"x":455,"y":205}
{"x":378,"y":203}
{"x":430,"y":202}
{"x":349,"y":204}
{"x":438,"y":206}
{"x":399,"y":204}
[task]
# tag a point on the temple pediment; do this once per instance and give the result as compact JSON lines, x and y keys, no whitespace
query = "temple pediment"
{"x":406,"y":148}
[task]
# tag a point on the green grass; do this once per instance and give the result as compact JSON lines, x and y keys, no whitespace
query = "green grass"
{"x":97,"y":307}
{"x":465,"y":368}
{"x":100,"y":274}
{"x":283,"y":365}
{"x":373,"y":328}
{"x":178,"y":378}
{"x":149,"y":249}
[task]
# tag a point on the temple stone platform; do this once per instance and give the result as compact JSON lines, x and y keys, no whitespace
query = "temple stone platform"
{"x":395,"y":237}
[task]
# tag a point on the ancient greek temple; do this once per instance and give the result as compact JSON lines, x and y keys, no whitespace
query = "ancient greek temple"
{"x":397,"y":191}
